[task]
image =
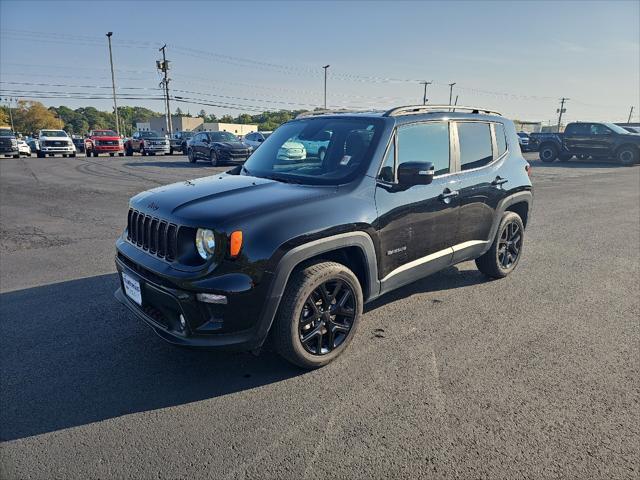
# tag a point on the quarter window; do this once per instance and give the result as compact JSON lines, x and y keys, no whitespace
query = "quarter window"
{"x":475,"y":145}
{"x":501,"y":138}
{"x":425,"y":142}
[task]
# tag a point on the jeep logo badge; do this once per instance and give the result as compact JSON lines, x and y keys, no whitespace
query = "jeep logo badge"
{"x":153,"y":206}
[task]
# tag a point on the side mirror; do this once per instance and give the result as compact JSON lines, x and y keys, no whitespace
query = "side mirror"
{"x":415,"y":173}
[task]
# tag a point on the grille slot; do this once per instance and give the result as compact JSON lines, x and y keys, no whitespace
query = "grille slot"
{"x":157,"y":236}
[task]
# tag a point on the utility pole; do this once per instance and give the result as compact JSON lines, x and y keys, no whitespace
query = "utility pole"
{"x":630,"y":114}
{"x":455,"y":103}
{"x":9,"y":100}
{"x":451,"y":91}
{"x":424,"y":97}
{"x":561,"y":110}
{"x":325,"y":85}
{"x":164,"y":67}
{"x":113,"y":85}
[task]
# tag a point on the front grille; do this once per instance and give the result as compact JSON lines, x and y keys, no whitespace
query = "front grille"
{"x":239,"y":154}
{"x":5,"y":142}
{"x":157,"y":236}
{"x":55,"y":143}
{"x":106,"y":142}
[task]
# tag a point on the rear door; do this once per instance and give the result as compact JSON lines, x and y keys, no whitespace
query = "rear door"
{"x":416,"y":225}
{"x":481,"y":148}
{"x":576,"y":138}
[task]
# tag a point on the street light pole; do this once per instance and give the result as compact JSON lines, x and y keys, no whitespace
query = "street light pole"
{"x":451,"y":91}
{"x":113,"y":85}
{"x":424,"y":97}
{"x":325,"y":85}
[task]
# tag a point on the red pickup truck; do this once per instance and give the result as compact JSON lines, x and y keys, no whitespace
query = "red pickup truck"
{"x":103,"y":141}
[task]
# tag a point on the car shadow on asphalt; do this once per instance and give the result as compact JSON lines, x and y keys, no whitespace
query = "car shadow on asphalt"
{"x":70,"y":355}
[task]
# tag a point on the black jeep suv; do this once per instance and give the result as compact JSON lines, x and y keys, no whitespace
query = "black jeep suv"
{"x":293,"y":248}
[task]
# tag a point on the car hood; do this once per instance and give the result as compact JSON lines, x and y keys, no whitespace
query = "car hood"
{"x":230,"y":145}
{"x":219,"y":199}
{"x":58,"y":139}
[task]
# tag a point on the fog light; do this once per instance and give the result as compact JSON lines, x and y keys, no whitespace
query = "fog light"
{"x":212,"y":298}
{"x":183,"y":322}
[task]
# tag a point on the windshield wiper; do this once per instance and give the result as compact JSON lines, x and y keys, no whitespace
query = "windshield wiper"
{"x":283,"y":179}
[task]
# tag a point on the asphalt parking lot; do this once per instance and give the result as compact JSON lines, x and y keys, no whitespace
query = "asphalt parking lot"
{"x":455,"y":376}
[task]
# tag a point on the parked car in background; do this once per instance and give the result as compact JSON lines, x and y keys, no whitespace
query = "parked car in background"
{"x":147,"y":143}
{"x":8,"y":143}
{"x":217,"y":148}
{"x":24,"y":148}
{"x":632,"y":129}
{"x":78,"y":141}
{"x":315,"y":146}
{"x":291,"y":150}
{"x":178,"y":142}
{"x":293,"y":250}
{"x":103,"y":141}
{"x":599,"y":140}
{"x":33,"y":143}
{"x":254,"y":139}
{"x":53,"y":142}
{"x":523,"y":140}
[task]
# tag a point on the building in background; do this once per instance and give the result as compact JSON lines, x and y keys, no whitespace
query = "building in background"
{"x":178,"y":122}
{"x":528,"y":127}
{"x":235,"y":128}
{"x":143,"y":126}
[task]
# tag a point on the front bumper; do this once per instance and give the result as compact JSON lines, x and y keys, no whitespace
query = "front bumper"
{"x":232,"y":326}
{"x":8,"y":150}
{"x":108,"y":148}
{"x":57,"y":149}
{"x":157,"y":148}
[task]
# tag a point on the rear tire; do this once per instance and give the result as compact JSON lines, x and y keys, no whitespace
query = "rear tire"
{"x":16,"y":156}
{"x":129,"y":151}
{"x":95,"y":154}
{"x":627,"y":155}
{"x":190,"y":156}
{"x":213,"y":158}
{"x":505,"y":251}
{"x":40,"y":155}
{"x":325,"y":298}
{"x":548,"y":153}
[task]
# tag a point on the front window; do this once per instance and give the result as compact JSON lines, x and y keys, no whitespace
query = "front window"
{"x":223,"y":137}
{"x":53,"y":133}
{"x":347,"y":151}
{"x":150,"y":134}
{"x":425,"y":142}
{"x":616,"y":128}
{"x":105,"y":133}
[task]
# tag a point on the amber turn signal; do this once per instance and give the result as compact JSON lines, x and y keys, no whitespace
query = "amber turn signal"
{"x":236,"y":243}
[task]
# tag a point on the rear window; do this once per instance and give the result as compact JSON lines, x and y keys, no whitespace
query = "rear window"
{"x":475,"y":145}
{"x":501,"y":138}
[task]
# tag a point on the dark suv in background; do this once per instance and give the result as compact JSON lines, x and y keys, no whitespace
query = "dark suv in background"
{"x":217,"y":148}
{"x":295,"y":248}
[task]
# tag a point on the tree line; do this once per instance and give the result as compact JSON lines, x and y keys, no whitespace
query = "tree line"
{"x":31,"y":116}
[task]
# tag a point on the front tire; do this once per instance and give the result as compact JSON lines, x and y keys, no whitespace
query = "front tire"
{"x":548,"y":153}
{"x":40,"y":155}
{"x":95,"y":154}
{"x":505,"y":251}
{"x":319,"y":314}
{"x":190,"y":156}
{"x":213,"y":158}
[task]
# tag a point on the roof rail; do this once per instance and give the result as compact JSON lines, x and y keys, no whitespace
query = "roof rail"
{"x":328,"y":112}
{"x":416,"y":109}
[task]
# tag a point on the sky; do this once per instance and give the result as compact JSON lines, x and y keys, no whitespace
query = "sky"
{"x":516,"y":57}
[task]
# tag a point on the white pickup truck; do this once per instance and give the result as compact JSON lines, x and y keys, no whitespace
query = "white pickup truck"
{"x":55,"y":142}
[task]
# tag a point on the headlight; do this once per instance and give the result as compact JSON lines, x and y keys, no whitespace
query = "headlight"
{"x":205,"y":243}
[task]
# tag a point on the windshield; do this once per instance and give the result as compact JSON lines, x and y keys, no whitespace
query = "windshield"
{"x":522,"y":135}
{"x":6,"y":132}
{"x":53,"y":133}
{"x":105,"y":133}
{"x":616,"y":128}
{"x":223,"y":137}
{"x":318,"y":151}
{"x":150,"y":134}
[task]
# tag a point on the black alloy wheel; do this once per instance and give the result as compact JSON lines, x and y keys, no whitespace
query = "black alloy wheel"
{"x":327,"y":317}
{"x":191,"y":156}
{"x":509,"y":245}
{"x":214,"y":158}
{"x":548,"y":153}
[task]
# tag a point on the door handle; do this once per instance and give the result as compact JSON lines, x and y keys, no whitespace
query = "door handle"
{"x":499,"y":181}
{"x":447,"y":195}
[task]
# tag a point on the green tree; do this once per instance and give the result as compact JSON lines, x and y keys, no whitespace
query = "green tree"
{"x":30,"y":117}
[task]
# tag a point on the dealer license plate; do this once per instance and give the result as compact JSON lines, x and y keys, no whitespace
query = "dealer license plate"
{"x":132,"y":288}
